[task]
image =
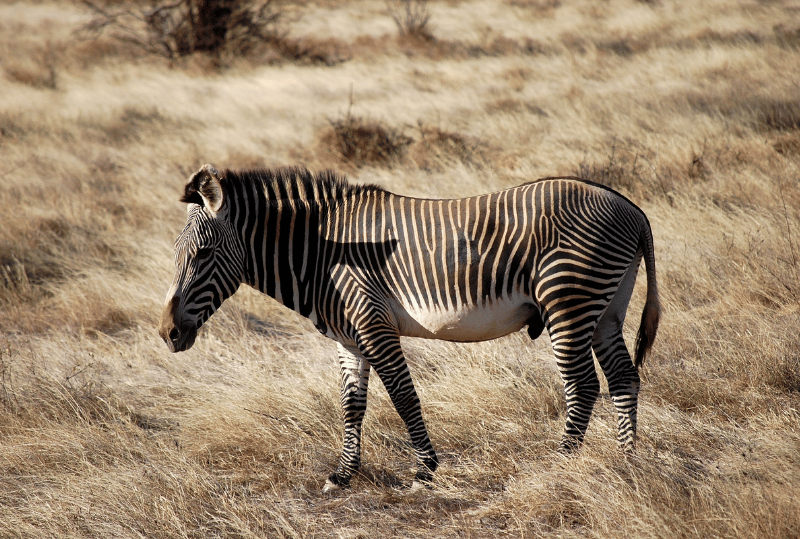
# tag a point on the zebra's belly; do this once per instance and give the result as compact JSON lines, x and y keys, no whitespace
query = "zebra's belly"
{"x":467,"y":323}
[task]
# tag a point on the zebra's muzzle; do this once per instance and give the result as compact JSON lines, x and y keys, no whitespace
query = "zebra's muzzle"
{"x":178,"y":335}
{"x":179,"y":339}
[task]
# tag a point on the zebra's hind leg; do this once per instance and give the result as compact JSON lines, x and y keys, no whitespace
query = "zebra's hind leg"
{"x":355,"y":379}
{"x":581,"y":388}
{"x":615,"y":360}
{"x":623,"y":384}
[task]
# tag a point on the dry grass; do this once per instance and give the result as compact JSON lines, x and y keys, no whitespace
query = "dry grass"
{"x":688,"y":109}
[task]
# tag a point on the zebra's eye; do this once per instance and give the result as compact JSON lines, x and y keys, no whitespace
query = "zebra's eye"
{"x":204,"y":253}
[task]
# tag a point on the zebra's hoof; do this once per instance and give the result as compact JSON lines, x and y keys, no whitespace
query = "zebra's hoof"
{"x":418,"y":486}
{"x":569,"y":446}
{"x":330,"y":487}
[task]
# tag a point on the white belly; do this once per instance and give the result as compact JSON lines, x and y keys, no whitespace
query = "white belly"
{"x":467,"y":323}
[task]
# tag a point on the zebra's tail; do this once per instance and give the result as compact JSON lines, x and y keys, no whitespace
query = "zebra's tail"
{"x":652,"y":307}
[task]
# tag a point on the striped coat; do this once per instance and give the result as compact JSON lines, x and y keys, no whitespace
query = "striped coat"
{"x":368,"y":266}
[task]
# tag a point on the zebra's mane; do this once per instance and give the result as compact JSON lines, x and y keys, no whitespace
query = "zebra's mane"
{"x":285,"y":184}
{"x":298,"y":183}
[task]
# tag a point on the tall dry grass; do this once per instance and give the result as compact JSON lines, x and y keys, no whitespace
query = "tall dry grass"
{"x":688,"y":109}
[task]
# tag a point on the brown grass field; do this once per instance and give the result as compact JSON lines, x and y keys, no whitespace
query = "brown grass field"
{"x":691,"y":109}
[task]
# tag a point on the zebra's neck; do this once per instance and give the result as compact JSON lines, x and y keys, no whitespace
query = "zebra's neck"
{"x":282,"y":215}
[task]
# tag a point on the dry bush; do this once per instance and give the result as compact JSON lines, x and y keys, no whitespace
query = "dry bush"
{"x":187,"y":26}
{"x":410,"y":16}
{"x":362,"y":142}
{"x":221,"y":28}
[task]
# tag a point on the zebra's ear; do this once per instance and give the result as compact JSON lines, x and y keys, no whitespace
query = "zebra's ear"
{"x":204,"y":188}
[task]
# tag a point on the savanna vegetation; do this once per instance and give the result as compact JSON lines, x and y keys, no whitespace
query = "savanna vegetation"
{"x":691,"y":109}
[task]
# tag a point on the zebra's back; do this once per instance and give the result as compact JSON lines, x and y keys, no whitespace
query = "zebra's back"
{"x":478,"y":268}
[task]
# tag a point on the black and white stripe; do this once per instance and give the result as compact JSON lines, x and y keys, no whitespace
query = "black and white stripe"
{"x":368,"y":266}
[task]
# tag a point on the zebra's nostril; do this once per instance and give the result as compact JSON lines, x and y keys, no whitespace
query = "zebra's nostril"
{"x":174,"y":334}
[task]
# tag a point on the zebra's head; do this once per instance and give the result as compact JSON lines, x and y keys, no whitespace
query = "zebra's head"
{"x":208,"y":261}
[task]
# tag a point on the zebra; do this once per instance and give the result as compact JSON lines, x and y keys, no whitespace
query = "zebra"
{"x":367,"y":266}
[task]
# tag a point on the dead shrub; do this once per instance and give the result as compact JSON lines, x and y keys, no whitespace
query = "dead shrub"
{"x":186,"y":26}
{"x":410,"y":16}
{"x":365,"y":142}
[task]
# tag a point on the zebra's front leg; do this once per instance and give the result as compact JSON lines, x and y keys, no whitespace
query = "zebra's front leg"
{"x":383,"y":350}
{"x":354,"y":383}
